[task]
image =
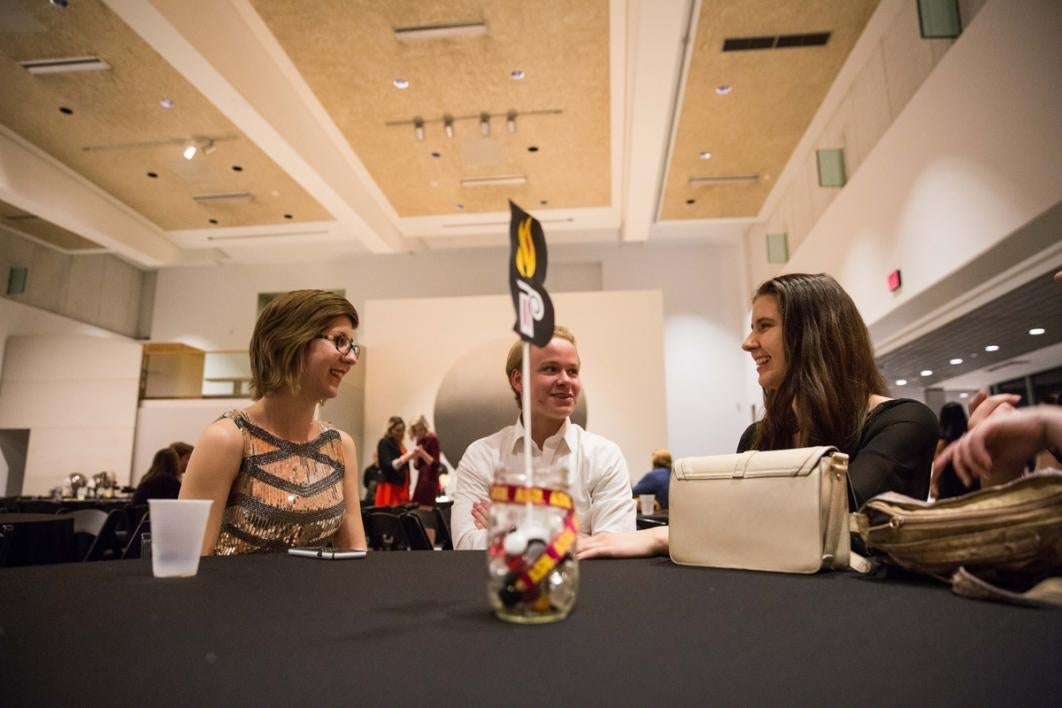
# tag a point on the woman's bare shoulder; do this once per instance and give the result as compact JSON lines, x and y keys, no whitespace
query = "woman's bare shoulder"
{"x":222,"y":436}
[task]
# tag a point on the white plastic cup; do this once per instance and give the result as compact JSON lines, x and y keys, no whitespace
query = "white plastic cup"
{"x":177,"y":529}
{"x":647,"y":503}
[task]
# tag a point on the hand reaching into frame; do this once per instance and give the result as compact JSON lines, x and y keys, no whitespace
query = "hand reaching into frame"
{"x":998,"y":448}
{"x":982,"y":407}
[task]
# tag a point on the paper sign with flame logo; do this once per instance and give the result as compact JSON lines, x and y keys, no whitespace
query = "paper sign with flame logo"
{"x":527,"y":276}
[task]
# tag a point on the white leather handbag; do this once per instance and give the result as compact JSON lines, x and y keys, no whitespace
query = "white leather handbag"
{"x":780,"y":510}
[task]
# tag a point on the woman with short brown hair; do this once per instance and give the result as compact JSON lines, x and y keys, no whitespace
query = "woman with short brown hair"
{"x":278,"y":476}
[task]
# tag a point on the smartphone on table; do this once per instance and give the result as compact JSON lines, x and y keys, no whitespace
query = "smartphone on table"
{"x":325,"y":552}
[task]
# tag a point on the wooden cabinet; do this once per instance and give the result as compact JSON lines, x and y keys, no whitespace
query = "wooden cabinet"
{"x":171,"y":371}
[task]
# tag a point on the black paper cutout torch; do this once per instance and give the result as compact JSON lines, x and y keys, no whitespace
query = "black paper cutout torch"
{"x":527,"y":276}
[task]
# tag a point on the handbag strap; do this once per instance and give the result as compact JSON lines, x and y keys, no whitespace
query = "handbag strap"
{"x":1047,"y":592}
{"x":839,"y":522}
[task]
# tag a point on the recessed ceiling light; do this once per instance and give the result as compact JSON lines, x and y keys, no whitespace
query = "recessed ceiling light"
{"x":60,"y":3}
{"x":964,"y":395}
{"x":153,"y":175}
{"x":992,"y":348}
{"x":901,"y":382}
{"x":189,"y":151}
{"x":705,"y":156}
{"x":925,"y":372}
{"x":400,"y":83}
{"x":1037,"y":331}
{"x":436,"y":155}
{"x":691,"y":201}
{"x":166,"y":103}
{"x":237,"y":168}
{"x":66,"y":111}
{"x":288,"y":216}
{"x":533,"y":148}
{"x":723,"y":89}
{"x":460,"y":206}
{"x":543,"y":202}
{"x":517,"y":74}
{"x":955,"y":362}
{"x":213,"y":221}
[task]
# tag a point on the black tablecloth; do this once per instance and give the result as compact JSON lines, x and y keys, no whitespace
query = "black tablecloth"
{"x":414,"y":628}
{"x":38,"y":538}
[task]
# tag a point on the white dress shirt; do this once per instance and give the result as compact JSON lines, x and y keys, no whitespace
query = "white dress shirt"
{"x":598,"y":480}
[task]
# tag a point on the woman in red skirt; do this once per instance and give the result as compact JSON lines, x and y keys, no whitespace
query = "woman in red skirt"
{"x":394,"y":464}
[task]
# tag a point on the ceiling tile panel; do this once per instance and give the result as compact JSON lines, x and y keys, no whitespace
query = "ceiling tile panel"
{"x":118,"y":132}
{"x":774,"y":93}
{"x":347,"y":52}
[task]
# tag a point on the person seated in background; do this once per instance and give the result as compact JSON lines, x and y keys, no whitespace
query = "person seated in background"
{"x":998,"y":449}
{"x":821,"y":386}
{"x":370,"y":478}
{"x":943,"y":483}
{"x":278,"y":477}
{"x":428,"y":463}
{"x":599,"y":481}
{"x":162,"y":480}
{"x":657,"y":479}
{"x":393,"y":489}
{"x":184,"y":453}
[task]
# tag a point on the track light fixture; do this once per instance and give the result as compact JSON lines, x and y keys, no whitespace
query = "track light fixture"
{"x":198,"y":146}
{"x":484,"y":124}
{"x":510,"y":121}
{"x":418,"y":129}
{"x":448,"y":125}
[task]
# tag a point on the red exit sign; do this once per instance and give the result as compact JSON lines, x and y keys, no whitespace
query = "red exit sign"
{"x":894,"y":280}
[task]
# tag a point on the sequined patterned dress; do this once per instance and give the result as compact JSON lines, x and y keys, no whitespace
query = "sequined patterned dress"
{"x":286,"y":494}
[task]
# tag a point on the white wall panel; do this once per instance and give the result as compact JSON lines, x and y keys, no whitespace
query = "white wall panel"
{"x":160,"y":423}
{"x":55,"y":453}
{"x":973,"y":158}
{"x":77,"y":395}
{"x":620,"y":341}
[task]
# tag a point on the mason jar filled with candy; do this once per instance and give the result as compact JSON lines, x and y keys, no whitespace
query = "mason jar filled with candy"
{"x":533,"y":576}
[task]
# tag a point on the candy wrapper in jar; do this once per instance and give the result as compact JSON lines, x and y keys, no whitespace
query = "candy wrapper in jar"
{"x":533,"y":575}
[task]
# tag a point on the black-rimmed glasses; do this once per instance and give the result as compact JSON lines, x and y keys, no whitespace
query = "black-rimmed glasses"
{"x":343,"y":344}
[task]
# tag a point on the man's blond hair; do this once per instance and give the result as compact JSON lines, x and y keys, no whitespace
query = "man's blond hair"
{"x":515,"y":360}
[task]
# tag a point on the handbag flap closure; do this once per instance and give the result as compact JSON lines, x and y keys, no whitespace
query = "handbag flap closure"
{"x":798,"y":462}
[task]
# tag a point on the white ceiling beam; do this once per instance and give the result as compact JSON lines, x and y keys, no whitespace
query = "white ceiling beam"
{"x":225,"y":50}
{"x":654,"y":52}
{"x":36,"y":183}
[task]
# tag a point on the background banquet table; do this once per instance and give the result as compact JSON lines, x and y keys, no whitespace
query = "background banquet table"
{"x":414,"y":628}
{"x":37,"y":539}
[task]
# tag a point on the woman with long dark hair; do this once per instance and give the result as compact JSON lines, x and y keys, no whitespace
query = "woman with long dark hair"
{"x":162,"y":480}
{"x":820,"y":387}
{"x":953,"y":423}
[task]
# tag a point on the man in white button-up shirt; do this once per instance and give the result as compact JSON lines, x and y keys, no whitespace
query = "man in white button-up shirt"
{"x":599,"y":481}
